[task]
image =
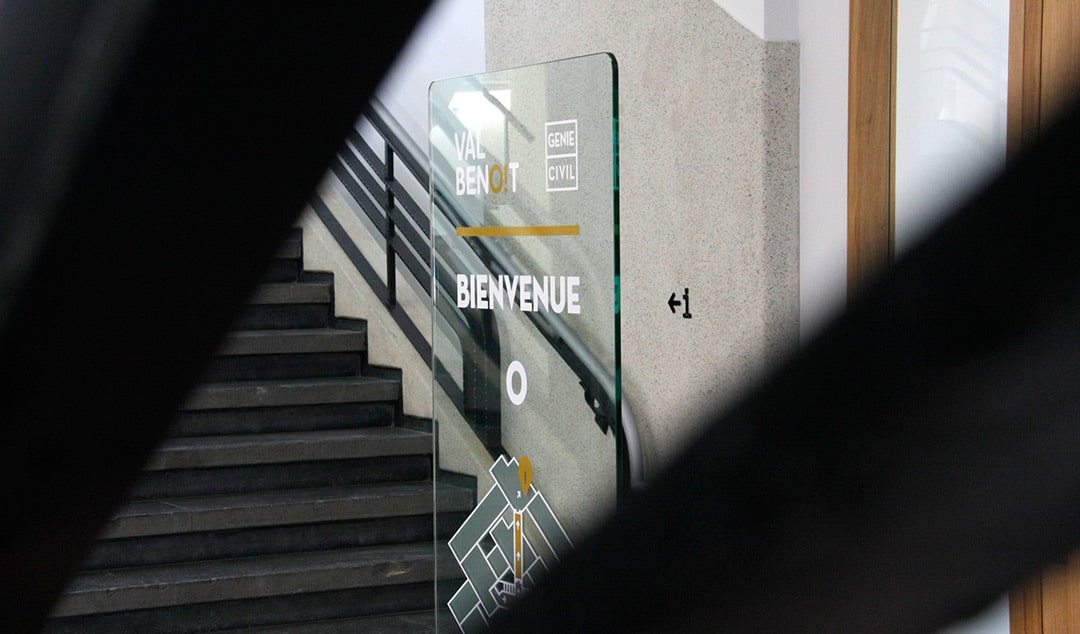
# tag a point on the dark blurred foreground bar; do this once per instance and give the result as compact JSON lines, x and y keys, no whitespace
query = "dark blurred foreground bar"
{"x":909,"y":467}
{"x":153,"y":156}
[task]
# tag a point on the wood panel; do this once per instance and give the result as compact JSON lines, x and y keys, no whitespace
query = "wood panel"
{"x":1060,"y":47}
{"x":1025,"y":73}
{"x":871,"y":139}
{"x":1025,"y":607}
{"x":1044,"y":65}
{"x":1061,"y":597}
{"x":1044,"y":70}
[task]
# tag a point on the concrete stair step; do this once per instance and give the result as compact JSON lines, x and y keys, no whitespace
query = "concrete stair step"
{"x":283,"y":392}
{"x":250,"y":577}
{"x":293,"y":341}
{"x":292,"y":248}
{"x":274,"y":354}
{"x":299,"y":609}
{"x":275,"y":367}
{"x":284,"y":507}
{"x":201,"y":466}
{"x":407,"y":623}
{"x":290,"y":495}
{"x":213,"y":422}
{"x":287,"y":263}
{"x":334,"y":444}
{"x":156,"y":532}
{"x":300,"y":292}
{"x":252,"y":478}
{"x":283,"y":316}
{"x":307,"y":302}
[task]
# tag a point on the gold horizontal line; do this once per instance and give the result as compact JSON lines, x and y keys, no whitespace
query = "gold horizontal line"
{"x":535,"y":230}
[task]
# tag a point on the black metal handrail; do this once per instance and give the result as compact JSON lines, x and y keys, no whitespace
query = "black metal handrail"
{"x":404,"y":228}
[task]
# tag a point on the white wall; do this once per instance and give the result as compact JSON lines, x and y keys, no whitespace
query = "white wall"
{"x":448,"y":42}
{"x":823,"y":99}
{"x":770,"y":20}
{"x":708,"y":165}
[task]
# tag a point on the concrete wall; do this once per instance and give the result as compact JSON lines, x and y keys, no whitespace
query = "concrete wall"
{"x":709,"y":193}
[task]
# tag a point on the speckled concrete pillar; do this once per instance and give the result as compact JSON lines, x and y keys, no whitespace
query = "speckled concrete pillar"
{"x":709,"y":194}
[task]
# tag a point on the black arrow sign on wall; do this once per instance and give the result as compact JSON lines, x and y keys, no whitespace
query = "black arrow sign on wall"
{"x":672,"y":303}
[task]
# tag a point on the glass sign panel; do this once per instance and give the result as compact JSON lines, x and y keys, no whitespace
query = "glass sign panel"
{"x":526,"y":332}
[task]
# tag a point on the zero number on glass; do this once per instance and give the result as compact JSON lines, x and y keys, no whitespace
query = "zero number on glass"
{"x":517,"y":397}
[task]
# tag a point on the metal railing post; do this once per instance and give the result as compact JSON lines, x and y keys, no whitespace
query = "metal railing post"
{"x":388,"y":207}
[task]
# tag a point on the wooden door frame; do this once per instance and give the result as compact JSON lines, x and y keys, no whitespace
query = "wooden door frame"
{"x":1022,"y":125}
{"x":1025,"y":73}
{"x":872,"y":122}
{"x":871,"y":244}
{"x":871,"y":140}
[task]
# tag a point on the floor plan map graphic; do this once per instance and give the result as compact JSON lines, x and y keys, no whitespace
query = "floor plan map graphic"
{"x":505,"y":546}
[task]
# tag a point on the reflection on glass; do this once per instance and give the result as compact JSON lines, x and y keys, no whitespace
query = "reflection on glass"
{"x":952,"y":84}
{"x":525,"y":341}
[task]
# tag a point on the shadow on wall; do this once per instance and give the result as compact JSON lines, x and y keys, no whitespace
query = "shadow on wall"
{"x":907,"y":469}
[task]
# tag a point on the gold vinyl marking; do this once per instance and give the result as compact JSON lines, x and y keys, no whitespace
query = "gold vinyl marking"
{"x":536,"y":230}
{"x":518,"y":550}
{"x":525,"y":474}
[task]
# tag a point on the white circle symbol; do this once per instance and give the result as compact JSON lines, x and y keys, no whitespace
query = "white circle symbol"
{"x":516,"y":397}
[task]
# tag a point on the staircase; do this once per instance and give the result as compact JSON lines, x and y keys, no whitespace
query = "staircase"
{"x":292,"y":494}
